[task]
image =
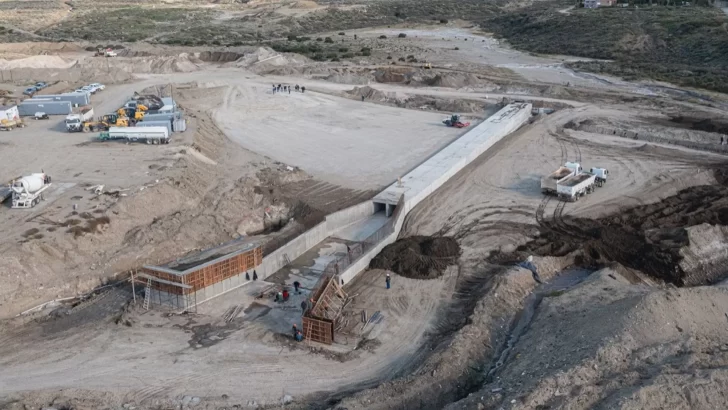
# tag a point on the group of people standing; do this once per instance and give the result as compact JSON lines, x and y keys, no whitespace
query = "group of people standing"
{"x":283,"y":88}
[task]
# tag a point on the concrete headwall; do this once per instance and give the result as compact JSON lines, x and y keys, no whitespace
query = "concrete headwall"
{"x":348,"y":216}
{"x":363,"y":262}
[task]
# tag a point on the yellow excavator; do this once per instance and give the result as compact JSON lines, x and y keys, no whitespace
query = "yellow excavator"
{"x":138,"y":114}
{"x":103,"y":123}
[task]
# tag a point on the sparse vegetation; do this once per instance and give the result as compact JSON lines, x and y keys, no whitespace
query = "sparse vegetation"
{"x":328,"y":40}
{"x":402,"y":35}
{"x":685,"y":46}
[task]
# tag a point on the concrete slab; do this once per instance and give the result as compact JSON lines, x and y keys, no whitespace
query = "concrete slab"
{"x":307,"y":268}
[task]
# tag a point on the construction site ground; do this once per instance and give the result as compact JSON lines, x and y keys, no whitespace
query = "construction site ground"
{"x":251,"y":160}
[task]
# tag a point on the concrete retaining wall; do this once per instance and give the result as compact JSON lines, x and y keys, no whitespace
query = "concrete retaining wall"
{"x":348,"y":216}
{"x":295,"y":248}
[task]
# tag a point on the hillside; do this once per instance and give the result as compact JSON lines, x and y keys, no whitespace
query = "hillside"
{"x":684,"y":45}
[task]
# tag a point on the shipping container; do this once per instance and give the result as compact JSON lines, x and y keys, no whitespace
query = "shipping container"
{"x":73,"y":98}
{"x":30,"y":107}
{"x":179,"y":125}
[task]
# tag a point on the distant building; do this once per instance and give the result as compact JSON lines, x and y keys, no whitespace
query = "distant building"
{"x":593,"y":4}
{"x":9,"y":112}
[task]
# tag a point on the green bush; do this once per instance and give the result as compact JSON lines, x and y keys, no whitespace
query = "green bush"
{"x":402,"y":35}
{"x":382,"y":36}
{"x":328,"y":40}
{"x":343,"y":50}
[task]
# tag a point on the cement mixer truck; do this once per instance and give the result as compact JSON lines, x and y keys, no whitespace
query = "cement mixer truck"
{"x":28,"y":190}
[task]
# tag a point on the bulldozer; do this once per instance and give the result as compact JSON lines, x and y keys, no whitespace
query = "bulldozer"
{"x":454,"y":121}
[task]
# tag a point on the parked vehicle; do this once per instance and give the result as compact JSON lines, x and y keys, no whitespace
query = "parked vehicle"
{"x":41,"y":116}
{"x":583,"y":183}
{"x":28,"y":190}
{"x":550,"y":182}
{"x":40,"y":85}
{"x":75,"y":122}
{"x":98,"y":86}
{"x":150,"y":135}
{"x":30,"y":91}
{"x":8,"y":125}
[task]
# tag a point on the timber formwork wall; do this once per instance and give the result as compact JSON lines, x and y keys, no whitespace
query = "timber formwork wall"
{"x":206,"y":282}
{"x":224,"y":269}
{"x":318,"y":330}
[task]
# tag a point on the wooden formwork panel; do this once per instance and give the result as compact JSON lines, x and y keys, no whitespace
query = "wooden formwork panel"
{"x":164,"y":276}
{"x":224,"y":269}
{"x":208,"y":275}
{"x":318,"y":330}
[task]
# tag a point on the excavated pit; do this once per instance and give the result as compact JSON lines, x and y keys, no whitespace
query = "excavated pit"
{"x":418,"y":257}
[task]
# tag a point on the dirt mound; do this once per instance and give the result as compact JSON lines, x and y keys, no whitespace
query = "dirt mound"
{"x":418,"y":257}
{"x":37,"y":62}
{"x":394,"y":75}
{"x":38,"y":47}
{"x":605,"y":344}
{"x":182,"y":63}
{"x":452,"y":80}
{"x":669,"y":240}
{"x":371,"y":94}
{"x":218,"y":56}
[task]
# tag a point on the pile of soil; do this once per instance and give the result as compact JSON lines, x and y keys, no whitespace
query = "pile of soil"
{"x":418,"y":257}
{"x":654,"y":238}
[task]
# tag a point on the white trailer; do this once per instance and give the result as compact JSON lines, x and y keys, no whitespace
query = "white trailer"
{"x":28,"y":190}
{"x":575,"y":186}
{"x":550,"y":182}
{"x":74,"y":122}
{"x":150,"y":135}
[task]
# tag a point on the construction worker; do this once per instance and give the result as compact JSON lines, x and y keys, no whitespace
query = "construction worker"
{"x":389,"y":281}
{"x":285,"y":295}
{"x":255,"y":275}
{"x":298,"y":336}
{"x":304,"y":305}
{"x":297,"y":285}
{"x":297,"y":88}
{"x":362,"y":98}
{"x":289,"y":89}
{"x":303,"y":90}
{"x":274,"y":88}
{"x":247,"y":276}
{"x":295,"y":330}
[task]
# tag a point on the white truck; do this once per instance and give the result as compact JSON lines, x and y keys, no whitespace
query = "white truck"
{"x":150,"y":135}
{"x":74,"y":122}
{"x":581,"y":184}
{"x":28,"y":190}
{"x":550,"y":182}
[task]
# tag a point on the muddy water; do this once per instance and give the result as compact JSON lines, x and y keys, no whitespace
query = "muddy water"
{"x":559,"y":283}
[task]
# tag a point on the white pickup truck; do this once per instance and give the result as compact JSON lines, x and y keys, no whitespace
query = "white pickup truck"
{"x":74,"y":122}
